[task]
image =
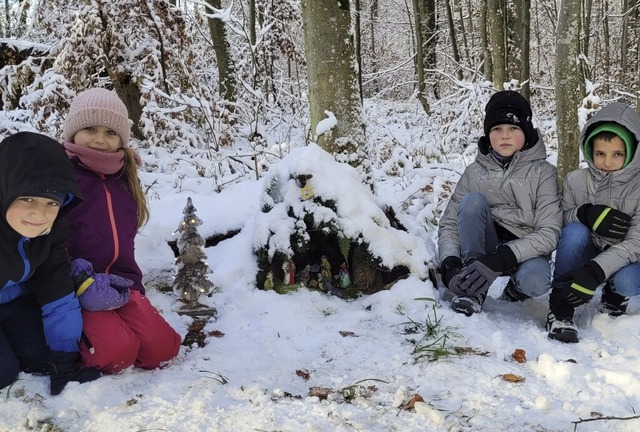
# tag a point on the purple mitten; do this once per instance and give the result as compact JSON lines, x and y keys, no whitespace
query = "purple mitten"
{"x":98,"y":291}
{"x":78,"y":266}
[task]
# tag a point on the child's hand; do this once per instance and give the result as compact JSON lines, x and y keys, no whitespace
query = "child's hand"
{"x":604,"y":220}
{"x":584,"y":281}
{"x":450,"y":267}
{"x":500,"y":260}
{"x":65,"y":367}
{"x":474,"y":280}
{"x":98,"y":291}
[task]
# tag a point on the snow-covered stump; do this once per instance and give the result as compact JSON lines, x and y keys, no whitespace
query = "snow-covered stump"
{"x":321,"y":228}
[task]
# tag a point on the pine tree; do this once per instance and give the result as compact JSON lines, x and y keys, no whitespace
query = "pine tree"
{"x":191,"y":281}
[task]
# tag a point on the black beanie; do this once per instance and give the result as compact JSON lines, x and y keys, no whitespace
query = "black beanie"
{"x":510,"y":107}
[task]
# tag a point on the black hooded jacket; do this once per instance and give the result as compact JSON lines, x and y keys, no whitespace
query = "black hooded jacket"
{"x":32,"y":163}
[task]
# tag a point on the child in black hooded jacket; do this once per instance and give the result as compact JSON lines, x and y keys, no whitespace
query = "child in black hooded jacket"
{"x":40,"y":319}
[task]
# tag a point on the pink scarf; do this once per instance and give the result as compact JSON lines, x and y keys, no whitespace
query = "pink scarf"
{"x":102,"y":162}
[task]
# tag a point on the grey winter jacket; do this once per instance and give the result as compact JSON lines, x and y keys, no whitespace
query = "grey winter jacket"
{"x":524,"y":199}
{"x":619,"y":190}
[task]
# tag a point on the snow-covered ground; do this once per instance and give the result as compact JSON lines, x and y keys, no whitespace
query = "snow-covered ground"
{"x":267,"y":353}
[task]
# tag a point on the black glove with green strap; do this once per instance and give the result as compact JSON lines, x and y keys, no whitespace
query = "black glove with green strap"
{"x":604,"y":220}
{"x":584,"y":281}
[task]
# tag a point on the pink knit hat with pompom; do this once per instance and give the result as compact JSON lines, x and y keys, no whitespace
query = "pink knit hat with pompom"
{"x":97,"y":107}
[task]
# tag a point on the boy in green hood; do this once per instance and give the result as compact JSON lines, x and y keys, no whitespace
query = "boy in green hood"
{"x":600,"y":241}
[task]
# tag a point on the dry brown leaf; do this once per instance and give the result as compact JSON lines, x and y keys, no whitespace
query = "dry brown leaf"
{"x":427,"y":188}
{"x":216,"y":333}
{"x":512,"y":378}
{"x":412,"y":402}
{"x":519,"y":355}
{"x":347,"y":333}
{"x":197,"y":325}
{"x":303,"y":373}
{"x":321,"y":392}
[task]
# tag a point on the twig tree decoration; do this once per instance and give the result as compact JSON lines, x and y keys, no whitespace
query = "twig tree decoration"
{"x":191,"y":280}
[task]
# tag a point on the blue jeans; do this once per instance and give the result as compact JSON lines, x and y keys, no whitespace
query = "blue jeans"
{"x":576,"y":248}
{"x":478,"y":236}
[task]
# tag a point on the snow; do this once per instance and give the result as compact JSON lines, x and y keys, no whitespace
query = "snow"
{"x":326,"y":124}
{"x":253,"y":377}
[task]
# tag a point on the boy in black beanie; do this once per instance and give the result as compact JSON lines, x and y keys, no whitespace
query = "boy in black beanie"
{"x":504,"y":217}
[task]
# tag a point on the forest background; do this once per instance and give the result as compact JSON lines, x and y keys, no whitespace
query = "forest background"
{"x":219,"y":92}
{"x":233,"y":85}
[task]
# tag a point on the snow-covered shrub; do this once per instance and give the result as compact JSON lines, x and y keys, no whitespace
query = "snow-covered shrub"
{"x":314,"y":208}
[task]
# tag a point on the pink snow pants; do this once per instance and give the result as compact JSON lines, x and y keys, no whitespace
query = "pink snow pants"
{"x":134,"y":334}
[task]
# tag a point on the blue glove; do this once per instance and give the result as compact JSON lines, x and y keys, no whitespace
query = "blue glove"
{"x":98,"y":291}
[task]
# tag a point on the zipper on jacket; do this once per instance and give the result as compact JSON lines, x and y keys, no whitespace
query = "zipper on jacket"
{"x":87,"y":342}
{"x":112,"y":220}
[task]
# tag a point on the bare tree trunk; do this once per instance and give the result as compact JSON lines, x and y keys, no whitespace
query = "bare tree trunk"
{"x":358,"y":45}
{"x":419,"y":63}
{"x":6,"y":32}
{"x":429,"y":42}
{"x":588,"y":6}
{"x":374,"y":51}
{"x":123,"y":84}
{"x":624,"y":37}
{"x":513,"y":39}
{"x":21,"y":21}
{"x":465,"y":44}
{"x":252,"y":22}
{"x":525,"y":66}
{"x":606,"y":64}
{"x":333,"y":79}
{"x":226,"y":68}
{"x":484,"y":42}
{"x":568,"y":86}
{"x":454,"y":43}
{"x":497,"y":36}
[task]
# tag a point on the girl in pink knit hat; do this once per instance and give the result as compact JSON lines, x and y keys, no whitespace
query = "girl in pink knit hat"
{"x":121,"y":327}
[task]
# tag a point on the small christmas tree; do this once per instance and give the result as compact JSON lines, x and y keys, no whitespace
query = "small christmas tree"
{"x":191,"y":281}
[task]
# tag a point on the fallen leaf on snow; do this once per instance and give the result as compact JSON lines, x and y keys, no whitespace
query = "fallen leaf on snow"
{"x":512,"y":378}
{"x":411,"y":403}
{"x":321,"y":392}
{"x":519,"y":355}
{"x":347,"y":333}
{"x":303,"y":373}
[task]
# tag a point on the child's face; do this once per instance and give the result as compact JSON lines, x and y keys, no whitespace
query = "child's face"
{"x":99,"y":138}
{"x":609,"y":156}
{"x":32,"y":216}
{"x":506,"y":139}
